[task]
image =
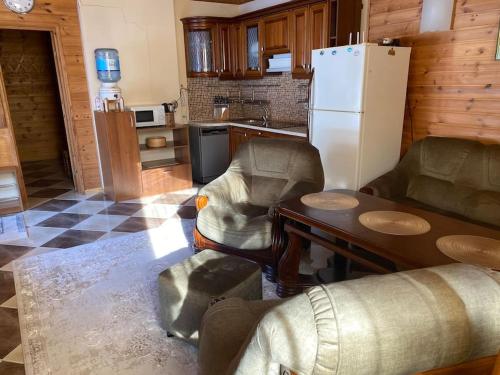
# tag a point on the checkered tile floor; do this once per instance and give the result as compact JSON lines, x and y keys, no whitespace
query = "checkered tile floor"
{"x":60,"y":218}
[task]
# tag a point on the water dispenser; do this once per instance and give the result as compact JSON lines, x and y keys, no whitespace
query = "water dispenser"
{"x":107,"y":63}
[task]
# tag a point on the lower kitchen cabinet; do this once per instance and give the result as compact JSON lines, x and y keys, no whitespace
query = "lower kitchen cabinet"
{"x":238,"y":135}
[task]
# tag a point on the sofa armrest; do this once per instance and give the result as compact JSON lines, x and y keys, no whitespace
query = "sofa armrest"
{"x":390,"y":185}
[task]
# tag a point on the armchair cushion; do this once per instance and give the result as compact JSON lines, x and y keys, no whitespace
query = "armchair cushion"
{"x":263,"y":173}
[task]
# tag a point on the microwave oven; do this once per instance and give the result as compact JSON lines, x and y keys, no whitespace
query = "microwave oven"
{"x":145,"y":116}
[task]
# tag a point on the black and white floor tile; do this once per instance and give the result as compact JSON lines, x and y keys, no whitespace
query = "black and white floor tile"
{"x":59,"y":218}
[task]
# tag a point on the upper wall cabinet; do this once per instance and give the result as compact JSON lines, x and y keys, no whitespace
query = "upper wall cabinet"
{"x":276,"y":33}
{"x":252,"y":48}
{"x":239,"y":47}
{"x":236,"y":50}
{"x":309,"y":31}
{"x":200,"y":38}
{"x":224,"y":54}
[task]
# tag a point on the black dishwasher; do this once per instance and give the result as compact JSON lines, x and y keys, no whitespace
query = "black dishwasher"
{"x":209,"y":146}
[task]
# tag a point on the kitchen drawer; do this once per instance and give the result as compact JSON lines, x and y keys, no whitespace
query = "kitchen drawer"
{"x":165,"y":179}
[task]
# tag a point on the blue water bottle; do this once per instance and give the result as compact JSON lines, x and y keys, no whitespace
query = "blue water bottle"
{"x":107,"y":63}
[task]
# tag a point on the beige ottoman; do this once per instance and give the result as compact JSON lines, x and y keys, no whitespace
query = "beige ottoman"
{"x":187,"y":289}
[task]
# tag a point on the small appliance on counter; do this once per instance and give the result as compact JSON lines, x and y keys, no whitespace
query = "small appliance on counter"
{"x":107,"y":63}
{"x":209,"y":146}
{"x":170,"y":109}
{"x":149,"y":115}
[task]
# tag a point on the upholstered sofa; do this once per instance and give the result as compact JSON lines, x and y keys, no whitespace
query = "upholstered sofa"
{"x":235,"y":211}
{"x":399,"y":323}
{"x":454,"y":177}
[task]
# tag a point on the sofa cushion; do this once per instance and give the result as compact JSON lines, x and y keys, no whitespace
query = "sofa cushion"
{"x":438,"y":193}
{"x":483,"y":206}
{"x":443,"y":158}
{"x":243,"y":226}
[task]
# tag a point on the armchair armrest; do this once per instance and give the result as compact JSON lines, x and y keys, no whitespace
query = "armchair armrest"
{"x":228,"y":189}
{"x":390,"y":185}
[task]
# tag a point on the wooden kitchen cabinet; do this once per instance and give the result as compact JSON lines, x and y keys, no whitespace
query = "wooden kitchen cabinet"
{"x":252,"y":48}
{"x":201,"y":47}
{"x":301,"y":50}
{"x":224,"y":54}
{"x":119,"y":152}
{"x":236,"y":50}
{"x":238,"y":47}
{"x":318,"y":27}
{"x":276,"y":33}
{"x":309,"y":31}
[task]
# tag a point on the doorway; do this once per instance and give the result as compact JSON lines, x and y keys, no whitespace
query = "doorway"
{"x":31,"y":84}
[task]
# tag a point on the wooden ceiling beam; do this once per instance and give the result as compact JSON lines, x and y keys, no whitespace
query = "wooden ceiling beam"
{"x":234,"y":2}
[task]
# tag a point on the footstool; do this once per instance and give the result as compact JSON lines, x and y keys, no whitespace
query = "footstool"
{"x":187,"y":289}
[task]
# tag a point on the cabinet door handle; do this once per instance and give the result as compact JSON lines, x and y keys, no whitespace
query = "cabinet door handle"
{"x":131,"y":121}
{"x":260,"y":133}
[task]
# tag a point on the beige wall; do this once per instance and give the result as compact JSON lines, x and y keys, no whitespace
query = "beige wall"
{"x":144,"y":34}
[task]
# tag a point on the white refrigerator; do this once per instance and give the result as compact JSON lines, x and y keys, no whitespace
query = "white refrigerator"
{"x":356,"y":111}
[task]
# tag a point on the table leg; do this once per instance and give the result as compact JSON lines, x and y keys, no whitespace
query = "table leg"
{"x":288,"y":270}
{"x":340,"y":267}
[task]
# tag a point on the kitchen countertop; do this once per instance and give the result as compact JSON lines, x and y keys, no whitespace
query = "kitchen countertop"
{"x":281,"y":127}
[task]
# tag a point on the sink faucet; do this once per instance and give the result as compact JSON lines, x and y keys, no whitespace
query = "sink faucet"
{"x":267,"y":115}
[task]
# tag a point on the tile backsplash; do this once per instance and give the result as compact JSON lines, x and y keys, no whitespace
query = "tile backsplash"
{"x":287,"y":97}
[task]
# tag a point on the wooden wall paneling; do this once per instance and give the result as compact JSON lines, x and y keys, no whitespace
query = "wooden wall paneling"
{"x":31,"y":85}
{"x":60,"y":17}
{"x":454,"y":79}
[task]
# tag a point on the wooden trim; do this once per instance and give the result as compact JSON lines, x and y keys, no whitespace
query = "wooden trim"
{"x":11,"y":140}
{"x":262,"y":256}
{"x":66,"y":42}
{"x":480,"y":366}
{"x":269,"y":11}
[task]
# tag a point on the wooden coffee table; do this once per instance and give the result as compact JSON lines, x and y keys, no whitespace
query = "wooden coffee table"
{"x":342,"y":232}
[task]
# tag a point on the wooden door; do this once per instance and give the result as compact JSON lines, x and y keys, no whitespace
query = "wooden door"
{"x":9,"y":158}
{"x":276,"y":35}
{"x":318,"y":27}
{"x":224,"y":63}
{"x":236,"y":47}
{"x":252,"y":48}
{"x":300,"y":42}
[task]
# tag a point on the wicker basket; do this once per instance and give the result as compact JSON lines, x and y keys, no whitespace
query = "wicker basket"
{"x":156,"y":142}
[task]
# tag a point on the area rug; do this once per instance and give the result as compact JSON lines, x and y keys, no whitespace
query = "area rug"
{"x":93,"y":309}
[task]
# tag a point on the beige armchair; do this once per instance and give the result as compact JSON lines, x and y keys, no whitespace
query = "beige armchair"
{"x":399,"y":323}
{"x":235,"y":211}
